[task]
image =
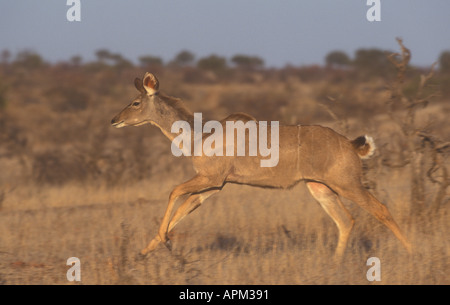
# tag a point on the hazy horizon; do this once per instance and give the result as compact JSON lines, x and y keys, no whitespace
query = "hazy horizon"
{"x":282,"y":33}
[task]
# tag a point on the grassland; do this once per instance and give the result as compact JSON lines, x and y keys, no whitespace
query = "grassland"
{"x":71,"y":185}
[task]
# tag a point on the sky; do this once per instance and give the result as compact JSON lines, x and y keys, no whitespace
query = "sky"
{"x":294,"y":32}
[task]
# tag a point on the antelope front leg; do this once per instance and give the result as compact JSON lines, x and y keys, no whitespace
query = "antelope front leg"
{"x":195,"y":185}
{"x":193,"y":202}
{"x":163,"y":228}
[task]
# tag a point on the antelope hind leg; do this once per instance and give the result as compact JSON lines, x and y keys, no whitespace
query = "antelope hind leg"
{"x":331,"y":203}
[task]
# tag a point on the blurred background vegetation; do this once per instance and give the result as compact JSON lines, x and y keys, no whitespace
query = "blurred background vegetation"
{"x":54,"y":117}
{"x":57,"y":149}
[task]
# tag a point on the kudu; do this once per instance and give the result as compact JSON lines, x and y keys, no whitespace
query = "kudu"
{"x":328,"y":162}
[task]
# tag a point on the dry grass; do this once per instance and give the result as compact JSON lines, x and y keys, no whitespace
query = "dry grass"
{"x":70,"y":185}
{"x":242,"y":235}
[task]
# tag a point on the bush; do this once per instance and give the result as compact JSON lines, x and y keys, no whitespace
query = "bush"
{"x":373,"y":62}
{"x":148,"y":61}
{"x":2,"y":97}
{"x":337,"y":59}
{"x":29,"y":60}
{"x":247,"y":62}
{"x":444,"y":62}
{"x":68,"y":99}
{"x":184,"y":58}
{"x":263,"y":105}
{"x":214,"y":63}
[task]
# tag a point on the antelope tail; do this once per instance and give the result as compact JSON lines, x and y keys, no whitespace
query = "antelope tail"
{"x":364,"y":146}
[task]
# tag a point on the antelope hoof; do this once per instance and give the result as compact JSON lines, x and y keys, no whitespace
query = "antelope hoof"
{"x":168,"y":244}
{"x":151,"y":246}
{"x":140,"y":256}
{"x":165,"y":239}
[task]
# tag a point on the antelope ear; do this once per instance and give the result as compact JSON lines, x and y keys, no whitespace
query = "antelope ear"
{"x":150,"y":83}
{"x":138,"y":84}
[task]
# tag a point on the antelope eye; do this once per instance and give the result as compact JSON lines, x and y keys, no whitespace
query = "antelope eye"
{"x":136,"y":103}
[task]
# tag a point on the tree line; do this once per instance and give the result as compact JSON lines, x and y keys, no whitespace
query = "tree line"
{"x":370,"y":61}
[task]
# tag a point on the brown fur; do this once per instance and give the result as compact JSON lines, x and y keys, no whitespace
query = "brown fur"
{"x":328,"y":162}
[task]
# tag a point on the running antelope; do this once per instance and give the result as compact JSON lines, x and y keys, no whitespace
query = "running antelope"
{"x":328,"y":162}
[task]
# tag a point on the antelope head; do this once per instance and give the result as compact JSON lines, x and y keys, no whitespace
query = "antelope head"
{"x":142,"y":109}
